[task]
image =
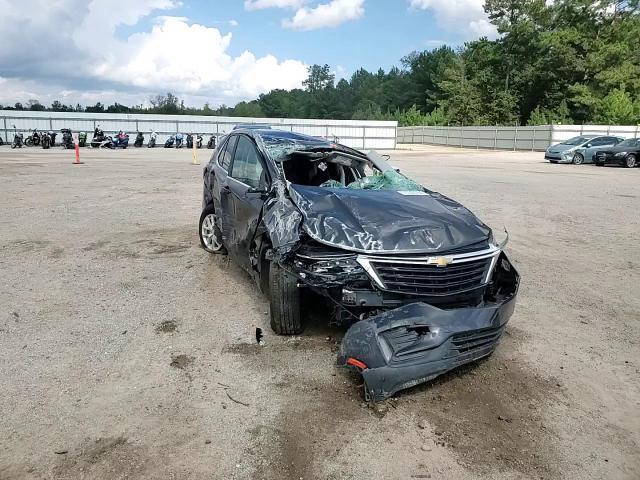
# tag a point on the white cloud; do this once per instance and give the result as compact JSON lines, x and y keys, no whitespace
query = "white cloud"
{"x":325,"y":15}
{"x":233,"y":23}
{"x":262,"y":4}
{"x":465,"y":16}
{"x":75,"y":48}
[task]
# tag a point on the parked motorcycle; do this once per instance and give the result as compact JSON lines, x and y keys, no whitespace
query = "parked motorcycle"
{"x":179,"y":140}
{"x":17,"y":139}
{"x":52,"y":136}
{"x":152,"y":139}
{"x":170,"y":141}
{"x":1,"y":141}
{"x":46,"y":140}
{"x":198,"y":141}
{"x":99,"y":138}
{"x":212,"y":142}
{"x":67,"y":138}
{"x":82,"y":139}
{"x":121,"y":140}
{"x":189,"y":140}
{"x":139,"y":140}
{"x":33,"y":140}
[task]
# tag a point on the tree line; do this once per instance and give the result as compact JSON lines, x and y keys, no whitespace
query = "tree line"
{"x":569,"y":61}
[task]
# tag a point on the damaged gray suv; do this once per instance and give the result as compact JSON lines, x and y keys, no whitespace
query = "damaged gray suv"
{"x":420,"y":278}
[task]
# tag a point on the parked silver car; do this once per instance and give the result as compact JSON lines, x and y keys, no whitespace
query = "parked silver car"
{"x":581,"y":149}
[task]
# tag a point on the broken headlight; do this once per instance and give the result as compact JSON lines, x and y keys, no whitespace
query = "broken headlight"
{"x":331,"y":266}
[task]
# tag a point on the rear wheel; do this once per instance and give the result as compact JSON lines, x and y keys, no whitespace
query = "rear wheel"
{"x":630,"y":161}
{"x":578,"y":159}
{"x":284,"y":297}
{"x":209,"y":231}
{"x":29,"y":142}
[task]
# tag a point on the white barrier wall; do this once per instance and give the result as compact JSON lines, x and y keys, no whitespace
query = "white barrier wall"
{"x":508,"y":138}
{"x":361,"y":134}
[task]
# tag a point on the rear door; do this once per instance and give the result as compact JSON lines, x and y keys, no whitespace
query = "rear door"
{"x":248,"y":177}
{"x":221,"y":191}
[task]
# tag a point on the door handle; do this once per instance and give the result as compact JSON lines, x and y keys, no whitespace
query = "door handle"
{"x":226,"y":189}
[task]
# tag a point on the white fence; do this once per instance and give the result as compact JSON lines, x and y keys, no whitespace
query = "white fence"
{"x":361,"y":134}
{"x":507,"y":138}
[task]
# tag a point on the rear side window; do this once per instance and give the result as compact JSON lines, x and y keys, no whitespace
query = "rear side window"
{"x":224,"y":160}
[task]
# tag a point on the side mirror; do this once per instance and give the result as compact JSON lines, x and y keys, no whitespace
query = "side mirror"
{"x":588,"y":145}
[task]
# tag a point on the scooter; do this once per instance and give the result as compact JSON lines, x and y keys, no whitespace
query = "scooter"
{"x":52,"y":136}
{"x":33,"y":140}
{"x":179,"y":142}
{"x":98,"y":138}
{"x":212,"y":142}
{"x":170,"y":141}
{"x":121,"y":140}
{"x":82,"y":139}
{"x":17,"y":139}
{"x":198,"y":141}
{"x":46,"y":140}
{"x":67,"y":138}
{"x":152,"y":140}
{"x":139,"y":140}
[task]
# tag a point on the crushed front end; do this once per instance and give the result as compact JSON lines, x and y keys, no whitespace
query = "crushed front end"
{"x":418,"y":341}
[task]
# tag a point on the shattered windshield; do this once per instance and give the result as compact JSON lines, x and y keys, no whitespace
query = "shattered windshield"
{"x":337,"y":170}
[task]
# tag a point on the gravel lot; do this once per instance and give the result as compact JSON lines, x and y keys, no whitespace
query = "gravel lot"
{"x":126,"y":351}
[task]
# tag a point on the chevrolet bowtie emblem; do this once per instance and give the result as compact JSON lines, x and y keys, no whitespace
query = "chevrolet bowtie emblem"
{"x":441,"y":261}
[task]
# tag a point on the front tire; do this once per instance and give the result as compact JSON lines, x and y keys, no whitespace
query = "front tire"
{"x":210,"y":234}
{"x":284,"y":298}
{"x":630,"y":161}
{"x":578,"y":159}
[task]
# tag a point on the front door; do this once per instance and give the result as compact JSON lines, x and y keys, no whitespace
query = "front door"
{"x":247,"y":182}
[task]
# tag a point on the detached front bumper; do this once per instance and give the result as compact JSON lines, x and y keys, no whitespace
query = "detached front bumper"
{"x":410,"y":345}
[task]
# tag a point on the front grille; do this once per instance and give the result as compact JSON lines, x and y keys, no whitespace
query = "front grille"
{"x":431,"y":280}
{"x":476,"y":340}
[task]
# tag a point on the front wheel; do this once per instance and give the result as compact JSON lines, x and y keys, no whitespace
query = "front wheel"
{"x":284,"y":298}
{"x":630,"y":161}
{"x":29,"y":142}
{"x":578,"y":159}
{"x":210,"y":233}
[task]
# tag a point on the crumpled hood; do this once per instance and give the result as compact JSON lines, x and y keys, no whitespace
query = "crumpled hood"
{"x":386,"y":221}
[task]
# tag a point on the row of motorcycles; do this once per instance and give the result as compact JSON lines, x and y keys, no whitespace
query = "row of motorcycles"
{"x":100,"y":140}
{"x":44,"y":139}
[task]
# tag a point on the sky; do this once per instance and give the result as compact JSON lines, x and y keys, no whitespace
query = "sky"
{"x":210,"y":51}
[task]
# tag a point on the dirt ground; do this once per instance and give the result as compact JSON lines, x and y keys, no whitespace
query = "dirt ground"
{"x":126,"y":351}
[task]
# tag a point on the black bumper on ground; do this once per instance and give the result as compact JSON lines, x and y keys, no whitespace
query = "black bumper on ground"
{"x":415,"y":343}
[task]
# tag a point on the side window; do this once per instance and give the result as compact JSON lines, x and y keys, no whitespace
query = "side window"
{"x":246,"y":164}
{"x":220,"y":153}
{"x":612,"y":140}
{"x":596,"y":142}
{"x":227,"y":155}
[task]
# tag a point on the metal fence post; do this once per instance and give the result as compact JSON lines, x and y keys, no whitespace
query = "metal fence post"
{"x":515,"y":138}
{"x":550,"y":134}
{"x":533,"y":139}
{"x":364,"y":137}
{"x":177,"y":126}
{"x":6,"y":134}
{"x":477,"y":138}
{"x":447,"y":137}
{"x":495,"y":138}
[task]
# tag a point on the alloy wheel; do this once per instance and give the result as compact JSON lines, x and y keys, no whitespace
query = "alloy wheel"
{"x":211,"y":233}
